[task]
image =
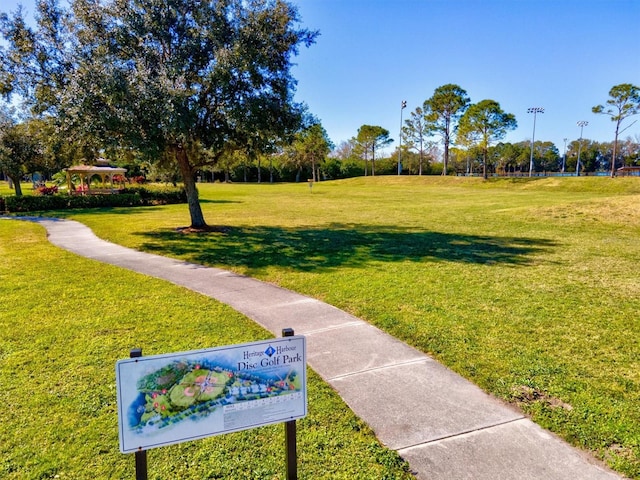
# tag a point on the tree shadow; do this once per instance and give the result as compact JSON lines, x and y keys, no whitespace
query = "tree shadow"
{"x":337,"y":245}
{"x":129,"y":211}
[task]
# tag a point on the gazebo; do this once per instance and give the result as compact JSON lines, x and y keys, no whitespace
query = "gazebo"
{"x":87,"y":172}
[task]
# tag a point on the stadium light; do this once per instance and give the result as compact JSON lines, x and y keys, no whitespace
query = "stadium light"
{"x":535,"y":111}
{"x":403,"y":105}
{"x":581,"y":124}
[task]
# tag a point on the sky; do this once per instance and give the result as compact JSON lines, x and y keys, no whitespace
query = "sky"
{"x":561,"y":55}
{"x":370,"y":55}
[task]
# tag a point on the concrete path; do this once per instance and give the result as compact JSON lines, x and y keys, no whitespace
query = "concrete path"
{"x":443,"y":425}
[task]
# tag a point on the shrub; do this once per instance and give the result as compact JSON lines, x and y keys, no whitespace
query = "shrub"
{"x":31,"y":203}
{"x":44,"y":190}
{"x":158,"y":196}
{"x":130,"y":197}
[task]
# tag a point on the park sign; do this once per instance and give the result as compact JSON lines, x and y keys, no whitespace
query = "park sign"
{"x":173,"y":398}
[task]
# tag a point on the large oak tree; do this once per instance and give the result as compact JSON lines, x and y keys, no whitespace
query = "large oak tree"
{"x":191,"y":79}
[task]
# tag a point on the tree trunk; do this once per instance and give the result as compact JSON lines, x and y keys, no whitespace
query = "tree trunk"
{"x":189,"y":182}
{"x":259,"y":171}
{"x":16,"y":185}
{"x":484,"y":164}
{"x":445,"y":159}
{"x":373,"y":161}
{"x":615,"y":148}
{"x":447,"y":140}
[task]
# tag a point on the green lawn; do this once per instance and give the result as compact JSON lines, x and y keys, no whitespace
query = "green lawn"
{"x":6,"y":191}
{"x":27,"y":188}
{"x":528,"y":287}
{"x":64,"y":323}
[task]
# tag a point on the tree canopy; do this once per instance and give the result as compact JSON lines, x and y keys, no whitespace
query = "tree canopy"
{"x":19,"y":151}
{"x":369,"y":139}
{"x":309,"y":148}
{"x":484,"y":123}
{"x":624,"y":101}
{"x":415,"y":133}
{"x":442,"y":112}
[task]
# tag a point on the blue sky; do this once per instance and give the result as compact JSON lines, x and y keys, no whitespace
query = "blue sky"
{"x":563,"y":55}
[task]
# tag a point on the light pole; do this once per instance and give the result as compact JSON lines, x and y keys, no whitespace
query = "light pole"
{"x":403,"y":105}
{"x":535,"y":111}
{"x":581,"y":124}
{"x":564,"y":156}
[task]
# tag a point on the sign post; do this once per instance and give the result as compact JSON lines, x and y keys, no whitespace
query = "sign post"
{"x":141,"y":455}
{"x":290,"y":435}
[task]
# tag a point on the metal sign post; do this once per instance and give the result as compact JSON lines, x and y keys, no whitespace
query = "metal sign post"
{"x":141,"y":456}
{"x":290,"y":435}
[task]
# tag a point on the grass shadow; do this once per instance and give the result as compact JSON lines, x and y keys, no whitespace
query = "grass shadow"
{"x":308,"y":249}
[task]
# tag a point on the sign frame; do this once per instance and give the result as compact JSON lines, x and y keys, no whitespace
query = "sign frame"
{"x":177,"y":397}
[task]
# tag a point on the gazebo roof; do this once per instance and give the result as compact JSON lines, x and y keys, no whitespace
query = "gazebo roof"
{"x":97,"y":170}
{"x":86,"y":172}
{"x":101,"y":168}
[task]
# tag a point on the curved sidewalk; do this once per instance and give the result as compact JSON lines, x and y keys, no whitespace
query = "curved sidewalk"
{"x":443,"y":425}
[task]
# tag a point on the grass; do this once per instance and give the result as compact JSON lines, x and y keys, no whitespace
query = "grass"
{"x":27,"y":189}
{"x":528,"y":287}
{"x":66,"y":320}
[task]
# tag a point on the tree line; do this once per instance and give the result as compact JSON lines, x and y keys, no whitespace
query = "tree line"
{"x":448,"y":134}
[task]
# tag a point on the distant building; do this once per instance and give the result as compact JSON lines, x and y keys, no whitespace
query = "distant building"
{"x":629,"y":171}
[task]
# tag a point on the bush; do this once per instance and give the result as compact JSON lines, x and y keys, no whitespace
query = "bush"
{"x":130,"y":197}
{"x":158,"y":196}
{"x":44,"y":190}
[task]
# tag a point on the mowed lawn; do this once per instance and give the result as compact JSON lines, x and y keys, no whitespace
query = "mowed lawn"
{"x":66,"y":320}
{"x":528,"y":287}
